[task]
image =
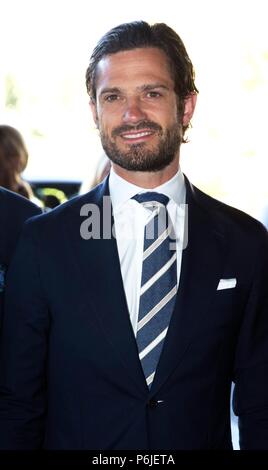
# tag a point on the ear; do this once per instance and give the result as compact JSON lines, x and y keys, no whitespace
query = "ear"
{"x":93,"y":107}
{"x":189,"y":107}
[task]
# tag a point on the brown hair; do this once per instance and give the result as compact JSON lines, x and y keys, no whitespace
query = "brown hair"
{"x":13,"y":161}
{"x":139,"y":34}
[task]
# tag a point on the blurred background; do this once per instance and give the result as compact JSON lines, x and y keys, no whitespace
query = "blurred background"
{"x":45,"y":46}
{"x":44,"y":51}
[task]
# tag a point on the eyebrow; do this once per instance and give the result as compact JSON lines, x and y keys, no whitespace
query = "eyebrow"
{"x":110,"y":90}
{"x":152,"y":86}
{"x":146,"y":87}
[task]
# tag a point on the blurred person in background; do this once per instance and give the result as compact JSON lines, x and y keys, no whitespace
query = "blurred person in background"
{"x":13,"y":161}
{"x":133,"y":342}
{"x":14,"y":210}
{"x":102,"y":170}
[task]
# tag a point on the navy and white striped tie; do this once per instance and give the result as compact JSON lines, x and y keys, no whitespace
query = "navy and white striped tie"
{"x":158,"y":283}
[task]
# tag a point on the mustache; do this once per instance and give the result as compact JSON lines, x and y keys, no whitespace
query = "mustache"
{"x":141,"y":125}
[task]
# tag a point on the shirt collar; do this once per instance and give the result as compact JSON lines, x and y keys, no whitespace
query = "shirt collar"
{"x":121,"y":190}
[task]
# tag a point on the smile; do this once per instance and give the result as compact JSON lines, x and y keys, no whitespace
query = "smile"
{"x":137,"y":135}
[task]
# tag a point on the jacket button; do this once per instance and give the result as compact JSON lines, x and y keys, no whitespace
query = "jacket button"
{"x":152,"y":403}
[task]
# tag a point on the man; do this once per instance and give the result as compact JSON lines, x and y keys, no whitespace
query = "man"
{"x":133,"y":341}
{"x":14,"y":210}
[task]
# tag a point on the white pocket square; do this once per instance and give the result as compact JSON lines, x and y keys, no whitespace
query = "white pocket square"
{"x":226,"y":284}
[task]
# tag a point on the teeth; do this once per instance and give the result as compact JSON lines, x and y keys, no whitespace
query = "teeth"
{"x":136,"y":136}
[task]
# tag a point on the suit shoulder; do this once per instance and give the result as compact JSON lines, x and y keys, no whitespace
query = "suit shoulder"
{"x":14,"y":211}
{"x":67,"y":210}
{"x":16,"y":208}
{"x":227,"y":215}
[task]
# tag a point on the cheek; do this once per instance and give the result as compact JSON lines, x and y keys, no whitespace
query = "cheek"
{"x":106,"y":127}
{"x":168,"y":115}
{"x":107,"y":121}
{"x":170,"y":120}
{"x":176,"y":112}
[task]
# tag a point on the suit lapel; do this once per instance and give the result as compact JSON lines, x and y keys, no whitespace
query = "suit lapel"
{"x":201,"y":268}
{"x":106,"y":296}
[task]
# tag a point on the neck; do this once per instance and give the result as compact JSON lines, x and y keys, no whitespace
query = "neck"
{"x":148,"y":180}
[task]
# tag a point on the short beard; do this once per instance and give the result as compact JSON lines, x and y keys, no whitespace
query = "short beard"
{"x":138,"y":158}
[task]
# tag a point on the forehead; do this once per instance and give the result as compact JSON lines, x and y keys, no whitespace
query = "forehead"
{"x":137,"y":65}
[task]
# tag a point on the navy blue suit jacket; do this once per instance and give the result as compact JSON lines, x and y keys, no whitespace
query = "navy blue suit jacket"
{"x":14,"y":210}
{"x":71,"y":376}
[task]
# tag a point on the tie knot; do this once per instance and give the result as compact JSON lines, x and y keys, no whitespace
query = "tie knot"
{"x":151,"y":197}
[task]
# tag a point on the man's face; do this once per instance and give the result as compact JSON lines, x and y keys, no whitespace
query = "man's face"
{"x":136,"y":109}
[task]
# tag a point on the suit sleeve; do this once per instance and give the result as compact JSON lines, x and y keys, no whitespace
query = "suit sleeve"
{"x":14,"y":210}
{"x":23,"y":394}
{"x":250,"y":401}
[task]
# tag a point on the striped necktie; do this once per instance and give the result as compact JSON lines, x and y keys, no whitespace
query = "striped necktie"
{"x":158,"y":283}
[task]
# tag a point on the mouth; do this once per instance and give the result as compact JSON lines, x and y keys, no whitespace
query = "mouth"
{"x":137,"y":136}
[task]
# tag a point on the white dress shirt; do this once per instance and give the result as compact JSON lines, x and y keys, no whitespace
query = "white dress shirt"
{"x":130,"y":219}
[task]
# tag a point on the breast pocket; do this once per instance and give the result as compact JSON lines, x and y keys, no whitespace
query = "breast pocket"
{"x":229,"y":304}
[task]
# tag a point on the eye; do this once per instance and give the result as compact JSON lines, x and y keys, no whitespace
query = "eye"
{"x":153,"y":94}
{"x":111,"y":98}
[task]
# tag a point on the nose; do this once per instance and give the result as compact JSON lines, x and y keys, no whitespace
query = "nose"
{"x":134,"y":111}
